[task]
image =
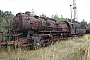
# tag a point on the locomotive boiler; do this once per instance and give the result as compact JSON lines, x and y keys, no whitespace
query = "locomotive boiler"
{"x":25,"y":22}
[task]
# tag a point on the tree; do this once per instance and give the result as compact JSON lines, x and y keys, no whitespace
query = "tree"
{"x":42,"y":15}
{"x":88,"y":24}
{"x":63,"y":19}
{"x":69,"y":20}
{"x":83,"y":22}
{"x":56,"y":17}
{"x":5,"y":20}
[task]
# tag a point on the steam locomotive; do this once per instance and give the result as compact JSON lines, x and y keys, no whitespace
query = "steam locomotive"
{"x":34,"y":31}
{"x":42,"y":31}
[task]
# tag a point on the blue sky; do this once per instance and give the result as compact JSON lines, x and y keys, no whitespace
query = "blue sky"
{"x":48,"y":7}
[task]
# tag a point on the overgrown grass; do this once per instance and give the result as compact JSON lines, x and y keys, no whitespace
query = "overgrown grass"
{"x":83,"y":38}
{"x":53,"y":52}
{"x":81,"y":54}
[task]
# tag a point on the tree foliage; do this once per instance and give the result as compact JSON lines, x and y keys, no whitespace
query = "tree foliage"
{"x":5,"y":22}
{"x":56,"y":17}
{"x":88,"y":24}
{"x":42,"y":15}
{"x":83,"y":22}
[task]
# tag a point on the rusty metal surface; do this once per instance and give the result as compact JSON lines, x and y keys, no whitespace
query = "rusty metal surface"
{"x":17,"y":34}
{"x":63,"y":26}
{"x":50,"y":23}
{"x":87,"y":29}
{"x":72,"y":30}
{"x":80,"y":31}
{"x":7,"y":42}
{"x":35,"y":23}
{"x":3,"y":43}
{"x":20,"y":41}
{"x":24,"y":22}
{"x":42,"y":35}
{"x":10,"y":42}
{"x":75,"y":28}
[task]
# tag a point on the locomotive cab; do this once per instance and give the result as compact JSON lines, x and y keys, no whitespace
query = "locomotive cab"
{"x":76,"y":29}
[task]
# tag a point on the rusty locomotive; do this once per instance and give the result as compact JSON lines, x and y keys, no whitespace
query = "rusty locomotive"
{"x":32,"y":31}
{"x":42,"y":30}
